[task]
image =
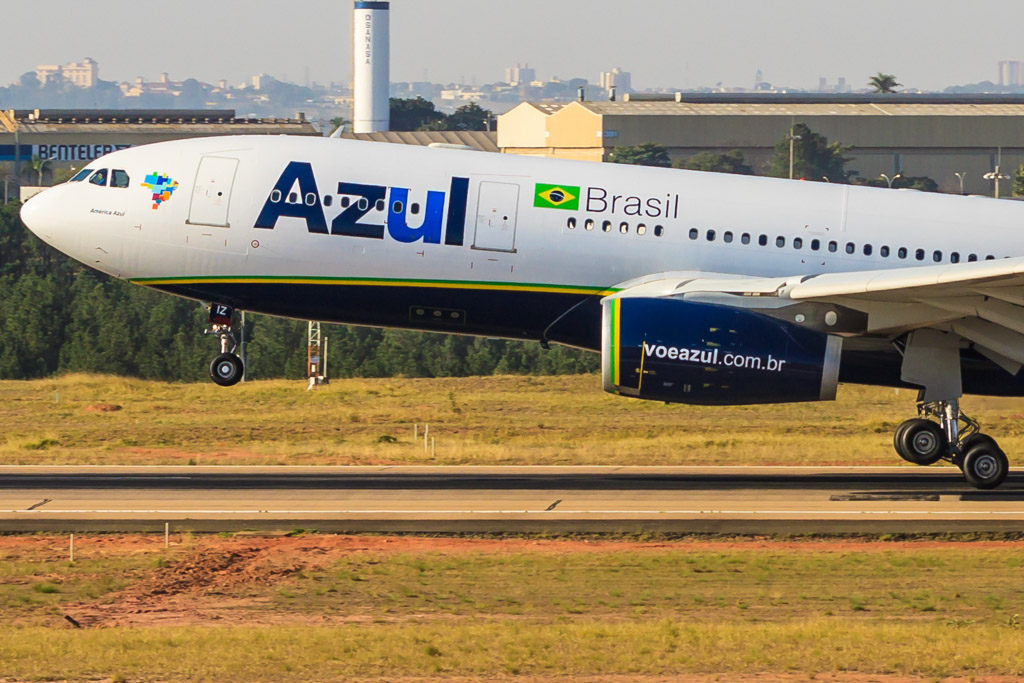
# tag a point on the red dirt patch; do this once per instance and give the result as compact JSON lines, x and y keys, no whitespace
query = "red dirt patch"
{"x":102,"y":408}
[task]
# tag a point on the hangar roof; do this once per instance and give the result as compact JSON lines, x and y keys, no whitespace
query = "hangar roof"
{"x":483,"y":141}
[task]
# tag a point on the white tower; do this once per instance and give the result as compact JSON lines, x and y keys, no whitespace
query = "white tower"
{"x":370,"y":70}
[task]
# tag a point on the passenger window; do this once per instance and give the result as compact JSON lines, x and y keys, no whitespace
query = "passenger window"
{"x":694,"y":234}
{"x":711,"y":235}
{"x":414,"y":208}
{"x":937,"y":256}
{"x":798,"y":243}
{"x":118,"y":178}
{"x":81,"y":175}
{"x":396,"y":207}
{"x":293,"y":197}
{"x":379,"y":205}
{"x":345,"y":201}
{"x":589,"y":224}
{"x":328,"y":199}
{"x":275,"y":196}
{"x":641,"y":229}
{"x":571,"y":222}
{"x":954,"y":257}
{"x":606,"y":226}
{"x":902,"y":253}
{"x":310,"y":199}
{"x":850,"y":247}
{"x":624,"y":227}
{"x":832,"y":247}
{"x":780,"y":241}
{"x":990,"y":257}
{"x":762,"y":240}
{"x":658,"y":231}
{"x":363,"y":203}
{"x":745,"y":238}
{"x":867,"y":250}
{"x":972,"y":257}
{"x":919,"y":254}
{"x":727,"y":237}
{"x":99,"y":178}
{"x":883,"y":251}
{"x":815,"y":245}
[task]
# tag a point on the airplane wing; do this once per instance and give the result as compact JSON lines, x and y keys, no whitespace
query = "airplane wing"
{"x":982,"y":302}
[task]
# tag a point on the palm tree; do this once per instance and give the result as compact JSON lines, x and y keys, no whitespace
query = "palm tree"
{"x":884,"y":83}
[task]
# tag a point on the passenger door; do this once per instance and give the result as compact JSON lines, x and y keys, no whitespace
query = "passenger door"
{"x":497,"y":206}
{"x":211,"y":193}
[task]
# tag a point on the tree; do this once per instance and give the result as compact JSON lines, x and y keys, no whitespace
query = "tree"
{"x":339,"y":122}
{"x":729,"y":162}
{"x":814,"y":157}
{"x":1018,"y":181}
{"x":883,"y":83}
{"x":413,"y":113}
{"x":646,"y":154}
{"x":468,"y":117}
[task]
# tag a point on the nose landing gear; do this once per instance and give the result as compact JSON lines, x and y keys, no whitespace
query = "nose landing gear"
{"x":226,"y":369}
{"x":956,"y":438}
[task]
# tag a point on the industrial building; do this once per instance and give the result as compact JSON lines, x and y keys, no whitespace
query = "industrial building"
{"x":77,"y":136}
{"x":938,"y":136}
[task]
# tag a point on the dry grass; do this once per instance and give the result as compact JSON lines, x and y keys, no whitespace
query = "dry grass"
{"x":477,"y":421}
{"x":523,"y":608}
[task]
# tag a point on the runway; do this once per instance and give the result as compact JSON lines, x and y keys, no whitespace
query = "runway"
{"x":506,"y":499}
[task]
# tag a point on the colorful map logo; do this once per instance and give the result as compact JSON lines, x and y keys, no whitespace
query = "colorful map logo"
{"x":163,"y":187}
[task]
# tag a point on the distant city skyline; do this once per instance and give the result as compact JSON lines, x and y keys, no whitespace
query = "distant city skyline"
{"x":662,"y":43}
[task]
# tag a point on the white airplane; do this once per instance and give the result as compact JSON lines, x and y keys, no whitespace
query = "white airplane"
{"x":694,"y":287}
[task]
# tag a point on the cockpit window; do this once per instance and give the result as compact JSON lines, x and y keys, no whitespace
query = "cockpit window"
{"x":99,"y":177}
{"x":81,"y":175}
{"x":119,"y":178}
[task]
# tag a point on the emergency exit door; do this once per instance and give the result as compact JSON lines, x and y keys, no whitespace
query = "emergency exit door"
{"x":211,"y":193}
{"x":497,"y":205}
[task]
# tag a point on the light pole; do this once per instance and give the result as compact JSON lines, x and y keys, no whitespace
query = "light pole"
{"x":791,"y":139}
{"x":996,"y":176}
{"x":960,"y":177}
{"x":890,"y":180}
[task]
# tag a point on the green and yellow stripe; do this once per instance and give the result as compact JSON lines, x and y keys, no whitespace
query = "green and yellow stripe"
{"x":546,"y":288}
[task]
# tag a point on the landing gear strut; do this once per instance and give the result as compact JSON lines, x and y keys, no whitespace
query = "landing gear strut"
{"x":941,"y":431}
{"x":226,"y":369}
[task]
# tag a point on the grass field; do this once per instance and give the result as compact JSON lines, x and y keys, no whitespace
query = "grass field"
{"x":84,"y":419}
{"x":334,"y":608}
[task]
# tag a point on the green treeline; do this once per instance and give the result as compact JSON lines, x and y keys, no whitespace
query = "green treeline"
{"x":57,"y":316}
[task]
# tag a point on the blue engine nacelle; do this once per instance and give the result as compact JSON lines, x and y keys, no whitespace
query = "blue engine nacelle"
{"x":686,"y":352}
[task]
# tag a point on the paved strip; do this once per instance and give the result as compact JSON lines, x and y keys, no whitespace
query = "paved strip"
{"x":506,"y":499}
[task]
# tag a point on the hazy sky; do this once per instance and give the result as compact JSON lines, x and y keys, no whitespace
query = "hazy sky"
{"x":670,"y":43}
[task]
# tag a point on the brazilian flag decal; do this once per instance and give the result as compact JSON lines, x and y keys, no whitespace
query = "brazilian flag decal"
{"x":557,"y":197}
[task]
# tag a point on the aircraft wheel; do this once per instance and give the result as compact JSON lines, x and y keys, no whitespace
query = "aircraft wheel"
{"x":897,"y":439}
{"x":921,"y":442}
{"x":985,"y":465}
{"x":226,"y":369}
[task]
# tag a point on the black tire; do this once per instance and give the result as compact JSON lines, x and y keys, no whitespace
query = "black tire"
{"x":969,"y":443}
{"x":923,"y":442}
{"x":226,"y":370}
{"x":985,"y":466}
{"x":897,"y":439}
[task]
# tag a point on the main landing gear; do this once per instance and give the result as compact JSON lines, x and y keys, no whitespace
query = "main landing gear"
{"x":931,"y":359}
{"x":956,"y":438}
{"x":226,"y":369}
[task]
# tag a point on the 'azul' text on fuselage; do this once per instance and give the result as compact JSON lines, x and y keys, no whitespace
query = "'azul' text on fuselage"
{"x":356,"y":200}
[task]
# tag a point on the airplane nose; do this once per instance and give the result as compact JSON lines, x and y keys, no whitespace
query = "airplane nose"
{"x":37,"y":217}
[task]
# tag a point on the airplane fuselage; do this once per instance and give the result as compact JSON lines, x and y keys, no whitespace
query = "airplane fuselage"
{"x":498,"y":245}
